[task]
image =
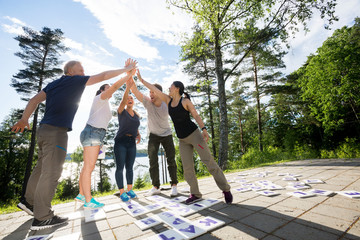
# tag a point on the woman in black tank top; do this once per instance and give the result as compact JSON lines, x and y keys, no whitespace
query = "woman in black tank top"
{"x":190,"y":138}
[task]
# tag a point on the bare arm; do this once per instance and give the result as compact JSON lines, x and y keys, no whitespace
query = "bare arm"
{"x":136,"y":92}
{"x":124,"y":99}
{"x":129,"y":65}
{"x":164,"y":97}
{"x":189,"y":106}
{"x":109,"y":92}
{"x":29,"y":109}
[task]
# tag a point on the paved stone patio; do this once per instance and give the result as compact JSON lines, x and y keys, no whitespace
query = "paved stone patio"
{"x":251,"y":216}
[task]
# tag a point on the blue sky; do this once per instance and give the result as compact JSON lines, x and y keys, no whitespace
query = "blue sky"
{"x":103,"y":34}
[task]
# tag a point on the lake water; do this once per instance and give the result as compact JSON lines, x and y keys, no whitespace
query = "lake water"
{"x":141,"y":166}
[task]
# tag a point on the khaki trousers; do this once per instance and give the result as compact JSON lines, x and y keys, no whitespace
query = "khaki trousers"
{"x":40,"y":190}
{"x":186,"y":146}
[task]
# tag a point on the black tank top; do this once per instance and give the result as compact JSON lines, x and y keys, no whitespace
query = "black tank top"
{"x":181,"y":119}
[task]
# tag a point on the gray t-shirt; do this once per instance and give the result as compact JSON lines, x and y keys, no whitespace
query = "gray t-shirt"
{"x":158,"y":118}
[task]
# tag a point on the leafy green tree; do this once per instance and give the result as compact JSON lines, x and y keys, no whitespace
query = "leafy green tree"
{"x":196,"y":52}
{"x":13,"y":151}
{"x":331,"y":82}
{"x":219,"y":18}
{"x":263,"y":61}
{"x":139,"y":182}
{"x":40,"y":52}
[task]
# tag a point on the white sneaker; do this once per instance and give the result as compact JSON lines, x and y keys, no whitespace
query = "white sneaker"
{"x":174,"y":191}
{"x":153,"y":191}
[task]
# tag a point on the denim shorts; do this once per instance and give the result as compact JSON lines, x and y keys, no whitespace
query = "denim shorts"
{"x":92,"y":136}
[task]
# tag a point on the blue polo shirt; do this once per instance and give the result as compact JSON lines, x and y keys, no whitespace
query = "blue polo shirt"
{"x":62,"y":100}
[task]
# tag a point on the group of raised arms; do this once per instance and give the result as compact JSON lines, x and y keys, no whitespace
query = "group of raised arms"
{"x":62,"y":97}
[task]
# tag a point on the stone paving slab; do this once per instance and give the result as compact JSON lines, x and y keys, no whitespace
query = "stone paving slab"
{"x":251,"y":216}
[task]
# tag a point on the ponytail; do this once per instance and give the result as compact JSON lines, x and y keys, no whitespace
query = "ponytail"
{"x":187,"y":95}
{"x":101,"y":89}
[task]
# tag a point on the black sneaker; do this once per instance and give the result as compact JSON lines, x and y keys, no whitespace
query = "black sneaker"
{"x":52,"y":222}
{"x":228,"y":197}
{"x":192,"y":199}
{"x":25,"y":206}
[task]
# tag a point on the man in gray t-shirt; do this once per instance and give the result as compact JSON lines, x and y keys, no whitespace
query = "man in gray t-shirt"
{"x":160,"y":132}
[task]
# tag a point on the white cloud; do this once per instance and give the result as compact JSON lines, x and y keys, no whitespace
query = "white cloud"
{"x":73,"y":44}
{"x":132,"y":25}
{"x":15,"y":27}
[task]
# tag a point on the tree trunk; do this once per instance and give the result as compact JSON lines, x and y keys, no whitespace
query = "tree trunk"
{"x":257,"y":95}
{"x":223,"y":141}
{"x":241,"y":133}
{"x":208,"y":91}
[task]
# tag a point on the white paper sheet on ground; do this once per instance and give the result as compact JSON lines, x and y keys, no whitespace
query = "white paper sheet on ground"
{"x":242,"y":181}
{"x":294,"y":175}
{"x":171,"y":234}
{"x":153,"y":207}
{"x":248,"y":185}
{"x":94,"y":215}
{"x":208,"y":223}
{"x":75,"y":215}
{"x":73,"y":236}
{"x":197,"y":206}
{"x":264,"y":182}
{"x":257,"y":188}
{"x":181,"y":209}
{"x":301,"y":194}
{"x":268,"y":193}
{"x":321,"y":192}
{"x":134,"y":208}
{"x":183,"y":225}
{"x":243,"y":189}
{"x":209,"y":202}
{"x":40,"y":237}
{"x":298,"y":187}
{"x":313,"y":181}
{"x":290,"y":179}
{"x":156,"y":198}
{"x":179,"y":199}
{"x":230,"y":180}
{"x":296,"y":183}
{"x":112,"y":207}
{"x":274,"y":187}
{"x":350,"y":194}
{"x":148,"y":222}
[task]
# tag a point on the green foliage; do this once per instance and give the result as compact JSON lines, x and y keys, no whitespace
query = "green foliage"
{"x":66,"y":189}
{"x":13,"y":154}
{"x":331,"y":81}
{"x":106,"y":185}
{"x":139,"y":182}
{"x":350,"y":148}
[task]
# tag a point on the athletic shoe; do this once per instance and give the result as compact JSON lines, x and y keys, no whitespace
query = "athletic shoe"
{"x":228,"y":197}
{"x":192,"y":199}
{"x":80,"y":198}
{"x":174,"y":191}
{"x":93,"y":204}
{"x":124,"y":197}
{"x":131,"y":194}
{"x":153,"y":191}
{"x":52,"y":222}
{"x":25,"y":206}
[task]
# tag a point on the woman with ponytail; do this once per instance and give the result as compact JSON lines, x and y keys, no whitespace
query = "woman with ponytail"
{"x":190,"y":138}
{"x":93,"y":135}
